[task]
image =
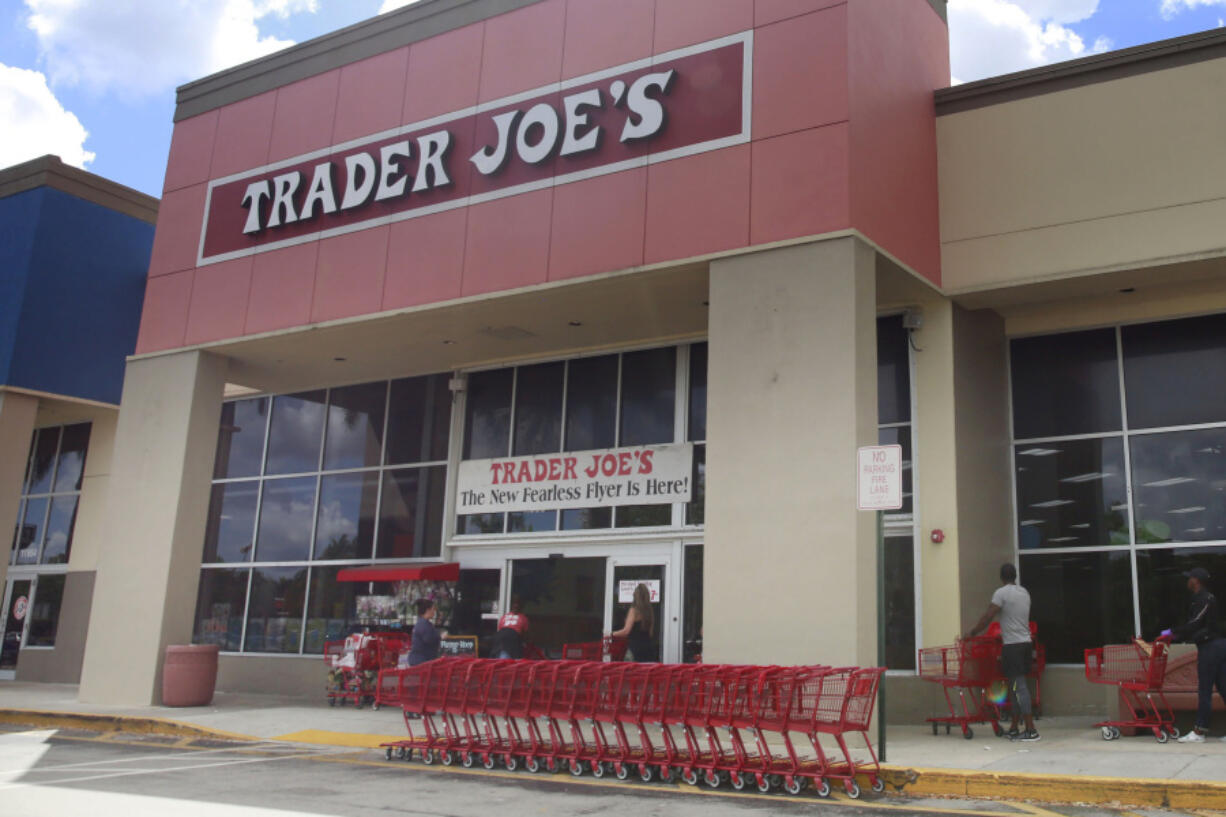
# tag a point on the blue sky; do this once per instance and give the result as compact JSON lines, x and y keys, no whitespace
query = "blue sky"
{"x":93,"y":80}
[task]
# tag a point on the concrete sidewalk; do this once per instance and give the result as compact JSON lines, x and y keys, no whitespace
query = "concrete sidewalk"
{"x":1070,"y":764}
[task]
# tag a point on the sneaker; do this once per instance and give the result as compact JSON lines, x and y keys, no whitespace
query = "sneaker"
{"x":1192,"y":737}
{"x":1029,"y":736}
{"x":1012,"y":734}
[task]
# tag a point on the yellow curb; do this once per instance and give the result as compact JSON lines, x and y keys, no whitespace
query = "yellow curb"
{"x":351,"y":740}
{"x":92,"y":722}
{"x":1047,"y":788}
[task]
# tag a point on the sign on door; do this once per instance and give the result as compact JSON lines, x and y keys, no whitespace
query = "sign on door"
{"x":625,"y":590}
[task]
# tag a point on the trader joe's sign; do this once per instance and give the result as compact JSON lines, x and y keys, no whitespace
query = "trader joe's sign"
{"x":642,"y":475}
{"x":678,"y":104}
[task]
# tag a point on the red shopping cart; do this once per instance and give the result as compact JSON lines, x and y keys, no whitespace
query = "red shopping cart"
{"x":1138,"y":669}
{"x":607,"y":649}
{"x":967,"y":667}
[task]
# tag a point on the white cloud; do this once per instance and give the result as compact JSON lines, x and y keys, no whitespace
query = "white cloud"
{"x":35,"y":123}
{"x":392,"y":5}
{"x":992,"y":37}
{"x":141,"y":47}
{"x":1170,"y":8}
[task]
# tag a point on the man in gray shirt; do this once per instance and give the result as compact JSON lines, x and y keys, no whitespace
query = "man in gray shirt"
{"x":1011,"y":602}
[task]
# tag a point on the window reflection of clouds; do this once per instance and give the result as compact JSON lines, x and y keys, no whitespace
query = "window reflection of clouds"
{"x":295,"y":433}
{"x":231,"y":525}
{"x":345,"y":529}
{"x":60,"y":523}
{"x":240,"y":438}
{"x":355,"y":426}
{"x":285,"y":520}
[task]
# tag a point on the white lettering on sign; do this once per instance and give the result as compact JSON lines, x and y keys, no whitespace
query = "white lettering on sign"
{"x":626,"y":588}
{"x":642,"y":475}
{"x":879,"y":471}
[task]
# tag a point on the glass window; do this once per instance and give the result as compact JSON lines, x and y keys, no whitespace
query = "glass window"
{"x":60,"y":523}
{"x":71,"y":463}
{"x":286,"y":511}
{"x":691,"y":636}
{"x":295,"y":433}
{"x":564,"y":600}
{"x":538,"y":409}
{"x":1179,"y":486}
{"x":477,"y":596}
{"x":332,"y":610}
{"x":532,"y":522}
{"x":42,"y":465}
{"x":346,"y":525}
{"x":477,"y":524}
{"x":231,"y":526}
{"x":1065,"y":384}
{"x":240,"y":438}
{"x":1175,"y":372}
{"x":696,"y":510}
{"x":220,"y":603}
{"x":419,"y":422}
{"x":45,"y":612}
{"x":698,"y":392}
{"x":274,"y":617}
{"x":355,"y":426}
{"x":893,"y":371}
{"x":587,"y":518}
{"x":649,"y":386}
{"x":900,"y":601}
{"x":1164,"y":594}
{"x":901,"y":435}
{"x":30,"y":534}
{"x":411,"y":515}
{"x":1079,"y":600}
{"x":487,"y":423}
{"x":642,"y":516}
{"x":1071,"y":493}
{"x":591,"y":403}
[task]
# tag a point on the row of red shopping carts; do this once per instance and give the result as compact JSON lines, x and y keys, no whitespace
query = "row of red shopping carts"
{"x":651,"y":720}
{"x":354,"y":665}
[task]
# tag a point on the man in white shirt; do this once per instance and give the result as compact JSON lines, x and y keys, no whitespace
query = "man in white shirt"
{"x":1011,"y":602}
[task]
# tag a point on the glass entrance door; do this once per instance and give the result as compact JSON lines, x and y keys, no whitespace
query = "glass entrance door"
{"x":659,"y":640}
{"x":17,"y":598}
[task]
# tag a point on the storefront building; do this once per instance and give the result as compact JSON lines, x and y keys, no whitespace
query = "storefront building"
{"x":582,"y":294}
{"x":74,"y":253}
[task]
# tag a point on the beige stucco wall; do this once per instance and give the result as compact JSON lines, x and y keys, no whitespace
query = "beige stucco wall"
{"x":17,"y":413}
{"x":155,"y":518}
{"x":288,"y":676}
{"x":790,"y":565}
{"x":1118,"y":174}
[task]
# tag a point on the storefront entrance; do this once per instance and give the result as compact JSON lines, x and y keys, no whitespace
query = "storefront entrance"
{"x":18,"y":593}
{"x":624,"y":577}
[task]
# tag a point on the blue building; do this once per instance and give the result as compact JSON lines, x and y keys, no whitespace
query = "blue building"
{"x":74,"y":251}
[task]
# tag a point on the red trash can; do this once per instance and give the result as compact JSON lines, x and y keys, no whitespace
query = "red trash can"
{"x":189,"y":674}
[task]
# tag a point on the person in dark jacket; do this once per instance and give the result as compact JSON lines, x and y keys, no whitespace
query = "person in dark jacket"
{"x":1203,"y":629}
{"x":426,"y":638}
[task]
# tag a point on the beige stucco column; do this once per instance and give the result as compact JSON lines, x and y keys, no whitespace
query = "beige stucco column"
{"x":149,"y":563}
{"x":790,"y":564}
{"x":17,"y":413}
{"x":962,"y":464}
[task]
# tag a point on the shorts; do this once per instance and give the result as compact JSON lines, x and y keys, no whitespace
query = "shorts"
{"x":1016,"y":659}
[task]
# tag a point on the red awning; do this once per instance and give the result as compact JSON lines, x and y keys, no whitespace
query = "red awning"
{"x":448,"y":572}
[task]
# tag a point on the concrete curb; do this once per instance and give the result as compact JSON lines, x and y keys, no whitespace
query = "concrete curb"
{"x":1175,"y":794}
{"x":132,"y":724}
{"x":916,"y":782}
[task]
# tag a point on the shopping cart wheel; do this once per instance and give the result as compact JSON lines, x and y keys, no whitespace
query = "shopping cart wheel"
{"x":551,"y":766}
{"x":765,"y":784}
{"x":690,"y":776}
{"x":406,"y":754}
{"x":666,"y":774}
{"x":532,"y":765}
{"x":822,"y":788}
{"x":878,"y":785}
{"x":466,"y":760}
{"x":968,"y":733}
{"x":947,"y":728}
{"x":387,"y":753}
{"x":576,"y":768}
{"x":646,"y":773}
{"x":853,"y":789}
{"x":375,"y":706}
{"x":997,"y":729}
{"x":711,"y":779}
{"x":622,"y":771}
{"x":427,"y":757}
{"x":448,"y":758}
{"x":511,"y":762}
{"x":1108,"y":733}
{"x":793,"y":785}
{"x":738,"y":781}
{"x":1161,"y":735}
{"x":1172,"y":731}
{"x":598,"y":769}
{"x":488,"y":762}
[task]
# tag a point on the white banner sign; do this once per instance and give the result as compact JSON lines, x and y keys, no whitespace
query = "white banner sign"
{"x":626,"y":588}
{"x":642,"y":475}
{"x":880,"y":475}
